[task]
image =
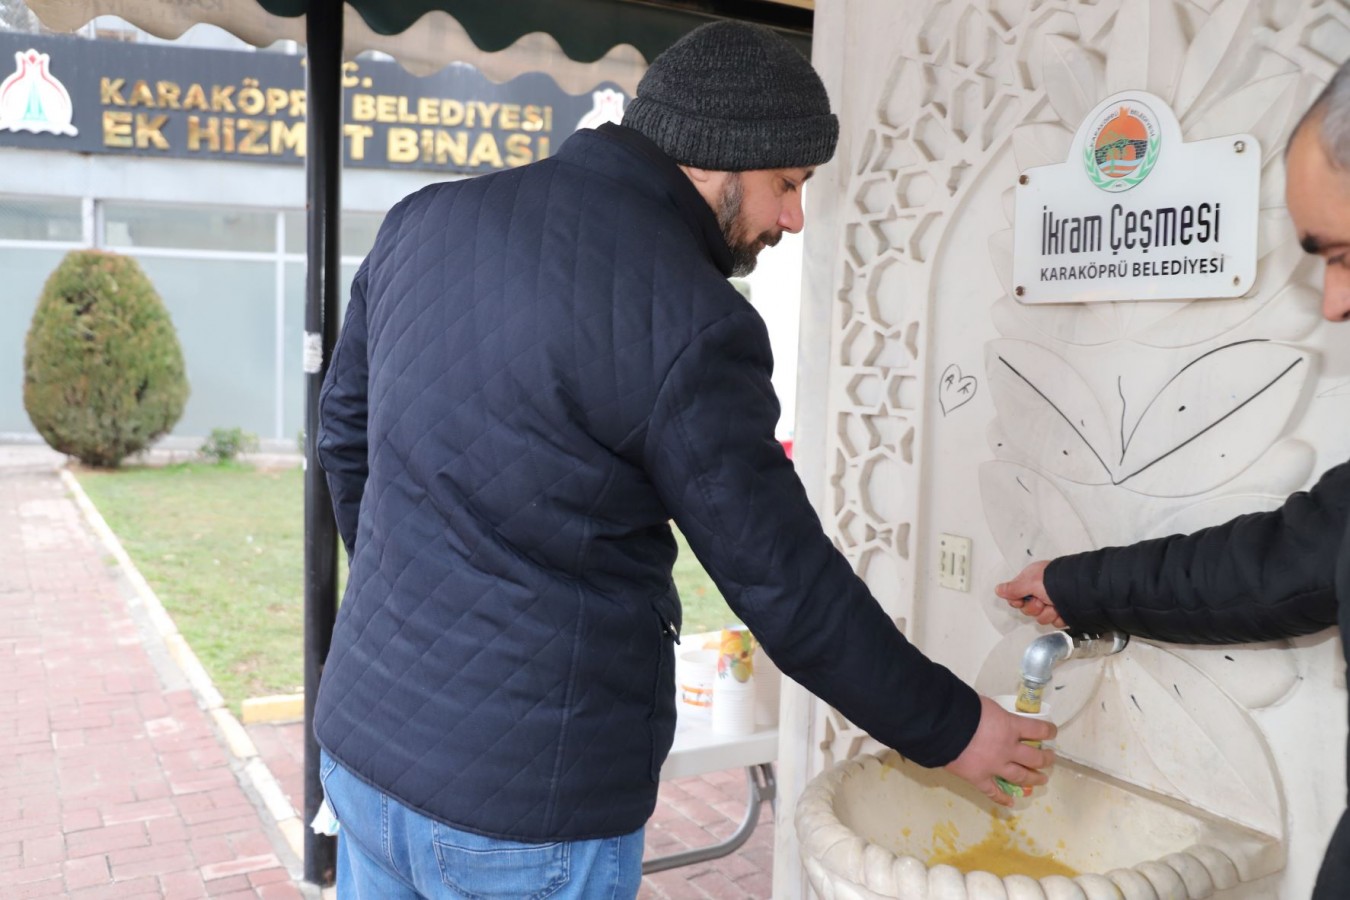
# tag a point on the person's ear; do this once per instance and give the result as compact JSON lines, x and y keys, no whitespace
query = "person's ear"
{"x":708,"y":182}
{"x":697,"y":175}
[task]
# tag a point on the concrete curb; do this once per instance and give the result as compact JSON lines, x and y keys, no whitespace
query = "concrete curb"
{"x":254,"y":772}
{"x":275,"y":709}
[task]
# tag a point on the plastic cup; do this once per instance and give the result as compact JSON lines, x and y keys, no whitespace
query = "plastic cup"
{"x":1009,"y":703}
{"x":733,"y":707}
{"x":695,"y":672}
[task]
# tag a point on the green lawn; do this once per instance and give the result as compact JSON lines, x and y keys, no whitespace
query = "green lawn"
{"x":222,"y":546}
{"x":704,"y":608}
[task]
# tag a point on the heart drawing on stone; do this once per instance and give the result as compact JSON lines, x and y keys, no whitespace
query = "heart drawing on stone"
{"x":955,"y":389}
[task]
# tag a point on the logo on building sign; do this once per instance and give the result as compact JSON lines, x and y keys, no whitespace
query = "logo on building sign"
{"x":606,"y":106}
{"x":1122,"y":147}
{"x":32,"y":99}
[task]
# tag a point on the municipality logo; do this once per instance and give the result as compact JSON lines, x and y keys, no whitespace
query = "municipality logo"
{"x":606,"y":106}
{"x":1122,"y":147}
{"x":32,"y":99}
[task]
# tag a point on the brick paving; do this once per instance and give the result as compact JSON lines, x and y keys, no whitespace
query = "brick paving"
{"x":690,"y":812}
{"x":115,"y":782}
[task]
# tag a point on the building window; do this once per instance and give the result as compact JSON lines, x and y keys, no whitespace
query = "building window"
{"x":133,"y":225}
{"x":356,"y":233}
{"x":33,"y":219}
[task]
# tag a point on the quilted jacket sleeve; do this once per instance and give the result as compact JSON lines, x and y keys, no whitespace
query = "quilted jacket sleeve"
{"x":711,"y":453}
{"x":1259,"y":577}
{"x":342,"y":416}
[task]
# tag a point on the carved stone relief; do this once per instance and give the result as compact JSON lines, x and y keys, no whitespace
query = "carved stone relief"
{"x":1108,"y":422}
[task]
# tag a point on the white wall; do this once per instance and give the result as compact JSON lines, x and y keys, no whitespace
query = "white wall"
{"x":775,"y":292}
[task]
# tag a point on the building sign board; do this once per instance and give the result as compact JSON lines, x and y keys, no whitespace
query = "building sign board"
{"x":1135,"y":213}
{"x":159,"y":101}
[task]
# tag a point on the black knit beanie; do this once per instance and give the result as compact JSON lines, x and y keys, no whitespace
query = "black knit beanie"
{"x":730,"y":96}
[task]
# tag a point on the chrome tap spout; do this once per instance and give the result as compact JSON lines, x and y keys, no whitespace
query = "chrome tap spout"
{"x":1049,"y":650}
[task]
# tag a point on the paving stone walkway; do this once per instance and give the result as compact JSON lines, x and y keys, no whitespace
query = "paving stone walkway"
{"x":113,"y":781}
{"x":690,"y":812}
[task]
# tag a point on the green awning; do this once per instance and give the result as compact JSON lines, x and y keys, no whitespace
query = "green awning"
{"x":585,"y":29}
{"x":580,"y":43}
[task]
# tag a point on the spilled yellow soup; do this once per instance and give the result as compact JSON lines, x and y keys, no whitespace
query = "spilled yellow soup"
{"x":998,"y":853}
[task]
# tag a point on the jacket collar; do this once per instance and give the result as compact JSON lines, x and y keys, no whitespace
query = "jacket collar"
{"x":656,"y":172}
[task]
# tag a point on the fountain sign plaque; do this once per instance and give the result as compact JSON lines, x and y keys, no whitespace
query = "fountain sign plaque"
{"x":1137,"y":214}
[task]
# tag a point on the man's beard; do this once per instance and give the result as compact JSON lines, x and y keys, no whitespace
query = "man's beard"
{"x":744,"y":249}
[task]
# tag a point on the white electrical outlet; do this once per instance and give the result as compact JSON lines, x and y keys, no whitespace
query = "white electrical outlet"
{"x":954,"y":562}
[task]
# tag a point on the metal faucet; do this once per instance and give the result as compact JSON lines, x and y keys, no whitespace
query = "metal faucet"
{"x":1038,"y":663}
{"x":1049,"y":649}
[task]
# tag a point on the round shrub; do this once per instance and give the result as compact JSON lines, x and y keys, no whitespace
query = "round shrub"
{"x":102,"y":368}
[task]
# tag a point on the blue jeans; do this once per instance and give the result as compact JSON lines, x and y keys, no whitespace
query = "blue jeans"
{"x":386,"y":851}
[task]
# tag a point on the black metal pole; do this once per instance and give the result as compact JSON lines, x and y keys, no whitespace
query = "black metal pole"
{"x":323,"y":166}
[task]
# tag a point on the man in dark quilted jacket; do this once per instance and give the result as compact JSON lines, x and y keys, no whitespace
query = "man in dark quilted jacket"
{"x":538,"y":371}
{"x":1259,"y":577}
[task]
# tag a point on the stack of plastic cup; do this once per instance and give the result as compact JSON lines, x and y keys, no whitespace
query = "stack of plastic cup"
{"x":733,"y":707}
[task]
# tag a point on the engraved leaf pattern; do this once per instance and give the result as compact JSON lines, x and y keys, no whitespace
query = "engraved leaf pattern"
{"x":1073,"y":77}
{"x":1212,"y":419}
{"x":1255,"y":675}
{"x":1086,"y":324}
{"x":1293,"y":315}
{"x":1048,"y":411}
{"x":1146,"y":50}
{"x":1030,"y":519}
{"x":1028,"y":515}
{"x":1210,"y":58}
{"x":1207,"y":752}
{"x":1272,"y":182}
{"x":1266,"y":109}
{"x":1214,"y":511}
{"x":1285,"y":468}
{"x":1001,"y":256}
{"x":1209,"y":421}
{"x":1041,"y":144}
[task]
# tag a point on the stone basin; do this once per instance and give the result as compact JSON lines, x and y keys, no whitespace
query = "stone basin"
{"x":869,"y":826}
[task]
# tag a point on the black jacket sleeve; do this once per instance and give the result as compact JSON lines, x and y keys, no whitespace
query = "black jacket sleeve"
{"x":711,"y":453}
{"x":341,"y":445}
{"x":1256,"y":578}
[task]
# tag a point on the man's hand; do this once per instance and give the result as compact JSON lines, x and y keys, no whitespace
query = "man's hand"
{"x":997,"y":749}
{"x":1027,"y":593}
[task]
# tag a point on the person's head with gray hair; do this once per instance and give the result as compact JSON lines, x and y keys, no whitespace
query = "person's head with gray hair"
{"x":1317,"y":188}
{"x":1330,"y":114}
